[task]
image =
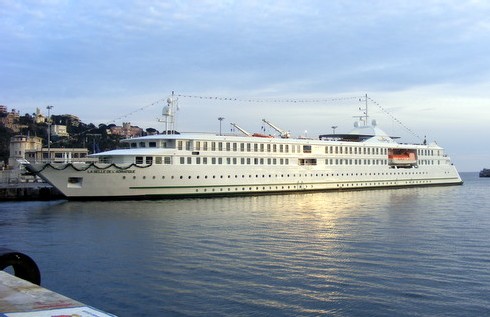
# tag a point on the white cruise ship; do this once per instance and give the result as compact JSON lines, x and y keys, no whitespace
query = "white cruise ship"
{"x":200,"y":164}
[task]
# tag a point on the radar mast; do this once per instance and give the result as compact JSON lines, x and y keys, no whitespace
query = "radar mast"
{"x":169,"y":112}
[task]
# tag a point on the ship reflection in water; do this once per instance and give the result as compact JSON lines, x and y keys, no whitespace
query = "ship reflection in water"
{"x":404,"y":252}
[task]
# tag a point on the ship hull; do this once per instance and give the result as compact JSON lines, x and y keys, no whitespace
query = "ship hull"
{"x":159,"y":181}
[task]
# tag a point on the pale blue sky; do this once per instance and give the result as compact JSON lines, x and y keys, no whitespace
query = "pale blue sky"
{"x":427,"y":62}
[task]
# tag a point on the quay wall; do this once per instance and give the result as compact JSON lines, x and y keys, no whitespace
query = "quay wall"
{"x":15,"y":186}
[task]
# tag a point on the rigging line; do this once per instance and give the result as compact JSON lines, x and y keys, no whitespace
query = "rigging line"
{"x":124,"y":116}
{"x":394,"y":118}
{"x":259,"y":100}
{"x":138,"y":110}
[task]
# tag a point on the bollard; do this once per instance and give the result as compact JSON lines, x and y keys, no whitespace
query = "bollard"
{"x":24,"y":267}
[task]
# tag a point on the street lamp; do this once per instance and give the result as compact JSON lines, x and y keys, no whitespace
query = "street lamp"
{"x":49,"y":132}
{"x":333,"y":128}
{"x":220,"y":120}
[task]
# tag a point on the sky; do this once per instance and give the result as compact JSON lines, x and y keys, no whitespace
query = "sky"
{"x":303,"y":64}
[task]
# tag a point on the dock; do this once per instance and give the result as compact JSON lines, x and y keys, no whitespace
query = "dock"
{"x":28,"y":191}
{"x":22,"y":296}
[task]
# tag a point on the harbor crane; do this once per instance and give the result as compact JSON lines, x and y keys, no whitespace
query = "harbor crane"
{"x":282,"y":133}
{"x":240,"y":129}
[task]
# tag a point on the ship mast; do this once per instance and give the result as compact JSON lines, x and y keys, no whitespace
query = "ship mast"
{"x":364,"y":117}
{"x":168,"y":113}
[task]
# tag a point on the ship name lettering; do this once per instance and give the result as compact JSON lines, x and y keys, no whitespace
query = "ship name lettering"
{"x":110,"y":171}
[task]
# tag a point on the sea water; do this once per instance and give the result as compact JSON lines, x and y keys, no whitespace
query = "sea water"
{"x":394,"y":252}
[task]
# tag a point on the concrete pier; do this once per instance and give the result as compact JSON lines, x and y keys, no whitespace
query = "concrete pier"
{"x":20,"y":298}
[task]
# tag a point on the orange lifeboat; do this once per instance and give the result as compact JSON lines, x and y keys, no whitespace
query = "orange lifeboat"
{"x":259,"y":135}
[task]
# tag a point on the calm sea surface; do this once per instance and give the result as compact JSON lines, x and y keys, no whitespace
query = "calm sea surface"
{"x":398,"y":252}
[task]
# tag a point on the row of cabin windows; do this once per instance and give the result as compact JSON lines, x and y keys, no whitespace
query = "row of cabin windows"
{"x":429,"y":152}
{"x":371,"y":162}
{"x":281,"y":148}
{"x":212,"y":160}
{"x":234,"y":161}
{"x":149,"y":144}
{"x":331,"y":149}
{"x":355,"y":162}
{"x":243,"y":147}
{"x":274,"y":148}
{"x":264,"y":161}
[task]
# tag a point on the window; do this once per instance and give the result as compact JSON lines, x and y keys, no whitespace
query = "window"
{"x":139,"y":160}
{"x":167,"y":160}
{"x":307,"y":162}
{"x":158,"y":160}
{"x":142,"y":144}
{"x":306,"y":148}
{"x":152,"y":144}
{"x":149,"y":160}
